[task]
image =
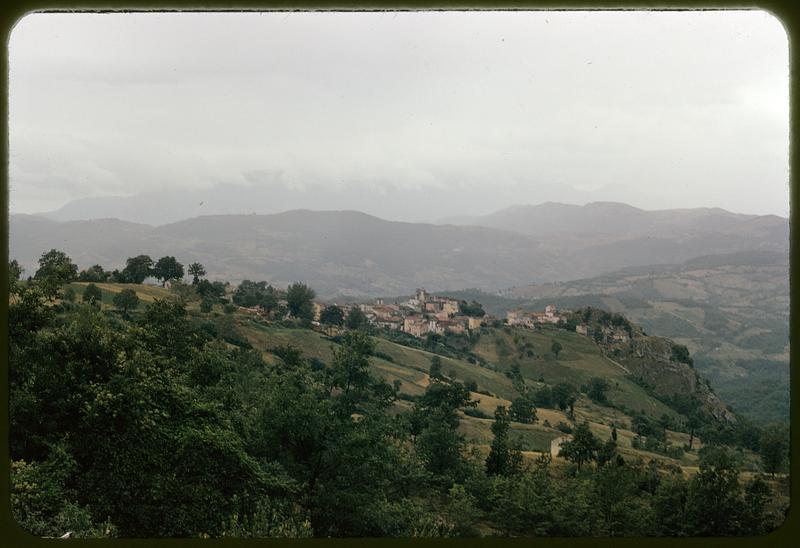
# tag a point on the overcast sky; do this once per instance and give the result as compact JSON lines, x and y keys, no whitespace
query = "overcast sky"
{"x":477,"y":110}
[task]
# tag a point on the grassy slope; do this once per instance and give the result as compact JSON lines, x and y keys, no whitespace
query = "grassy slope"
{"x":146,"y":293}
{"x":579,"y":360}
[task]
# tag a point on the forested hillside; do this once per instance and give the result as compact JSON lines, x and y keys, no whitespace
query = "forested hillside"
{"x":139,"y":411}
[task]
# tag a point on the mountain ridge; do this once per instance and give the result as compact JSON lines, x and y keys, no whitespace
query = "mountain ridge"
{"x":350,"y":252}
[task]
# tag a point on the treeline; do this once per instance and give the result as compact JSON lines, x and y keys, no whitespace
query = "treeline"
{"x":152,"y":426}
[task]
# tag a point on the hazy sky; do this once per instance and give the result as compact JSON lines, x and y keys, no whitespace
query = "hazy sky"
{"x":657,"y":109}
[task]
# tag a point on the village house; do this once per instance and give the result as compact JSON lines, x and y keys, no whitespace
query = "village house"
{"x":452,"y":326}
{"x":530,"y":319}
{"x":619,"y":336}
{"x":419,"y":315}
{"x":519,"y":317}
{"x":474,"y":323}
{"x":415,"y":325}
{"x":317,"y":309}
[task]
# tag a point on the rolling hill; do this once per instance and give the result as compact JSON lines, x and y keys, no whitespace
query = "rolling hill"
{"x":731,"y":310}
{"x":351,"y":253}
{"x":497,"y":349}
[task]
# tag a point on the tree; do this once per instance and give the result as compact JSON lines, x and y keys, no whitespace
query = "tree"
{"x":434,"y":424}
{"x":168,"y":268}
{"x":137,"y":269}
{"x":269,"y":300}
{"x":543,"y":397}
{"x":681,"y":354}
{"x":55,"y":270}
{"x":503,"y":460}
{"x":597,"y":389}
{"x":69,"y":295}
{"x":556,"y":348}
{"x":331,"y":316}
{"x":92,"y":295}
{"x":50,"y":509}
{"x":571,"y":324}
{"x":247,"y":294}
{"x":431,"y":340}
{"x":582,"y":447}
{"x":349,"y":371}
{"x":564,"y":394}
{"x":212,"y":290}
{"x":94,"y":273}
{"x":669,"y":506}
{"x":14,"y":272}
{"x":299,"y":298}
{"x":774,"y":447}
{"x":356,"y":319}
{"x":436,"y":368}
{"x":473,"y":309}
{"x":515,"y":374}
{"x":607,"y":452}
{"x":754,"y":516}
{"x":195,"y":271}
{"x":522,"y":409}
{"x":714,"y":502}
{"x":126,"y":300}
{"x":206,"y":304}
{"x":523,"y":505}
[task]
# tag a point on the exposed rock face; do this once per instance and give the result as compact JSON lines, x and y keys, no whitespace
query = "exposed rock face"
{"x":651,"y":359}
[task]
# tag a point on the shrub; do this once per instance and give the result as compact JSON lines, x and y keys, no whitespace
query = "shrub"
{"x":475,"y":412}
{"x":564,"y":427}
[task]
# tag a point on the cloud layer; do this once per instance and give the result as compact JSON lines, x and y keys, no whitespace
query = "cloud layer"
{"x":657,"y":109}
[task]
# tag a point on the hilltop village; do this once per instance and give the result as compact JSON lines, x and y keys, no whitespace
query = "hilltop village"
{"x":425,"y":313}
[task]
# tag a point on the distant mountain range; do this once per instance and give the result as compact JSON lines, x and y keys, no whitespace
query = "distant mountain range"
{"x":351,"y":253}
{"x":266,"y":193}
{"x":599,"y":220}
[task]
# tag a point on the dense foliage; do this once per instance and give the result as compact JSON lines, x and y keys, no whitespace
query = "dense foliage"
{"x":158,"y":421}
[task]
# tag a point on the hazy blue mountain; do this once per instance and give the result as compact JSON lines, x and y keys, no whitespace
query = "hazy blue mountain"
{"x":336,"y":252}
{"x":351,"y":253}
{"x":267,"y":192}
{"x":604,"y":219}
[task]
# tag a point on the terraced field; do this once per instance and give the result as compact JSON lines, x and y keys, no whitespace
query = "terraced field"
{"x":579,"y":361}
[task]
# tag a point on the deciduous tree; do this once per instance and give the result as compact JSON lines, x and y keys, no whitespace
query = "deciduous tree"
{"x":92,"y":295}
{"x":126,"y":300}
{"x":137,"y":269}
{"x":168,"y":268}
{"x":582,"y":447}
{"x":195,"y":271}
{"x":331,"y":316}
{"x":299,"y":298}
{"x":774,"y":447}
{"x":356,"y":319}
{"x":55,"y":270}
{"x":503,"y":459}
{"x":556,"y":348}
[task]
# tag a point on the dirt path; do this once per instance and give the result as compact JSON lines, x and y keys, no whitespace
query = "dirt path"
{"x":617,"y":364}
